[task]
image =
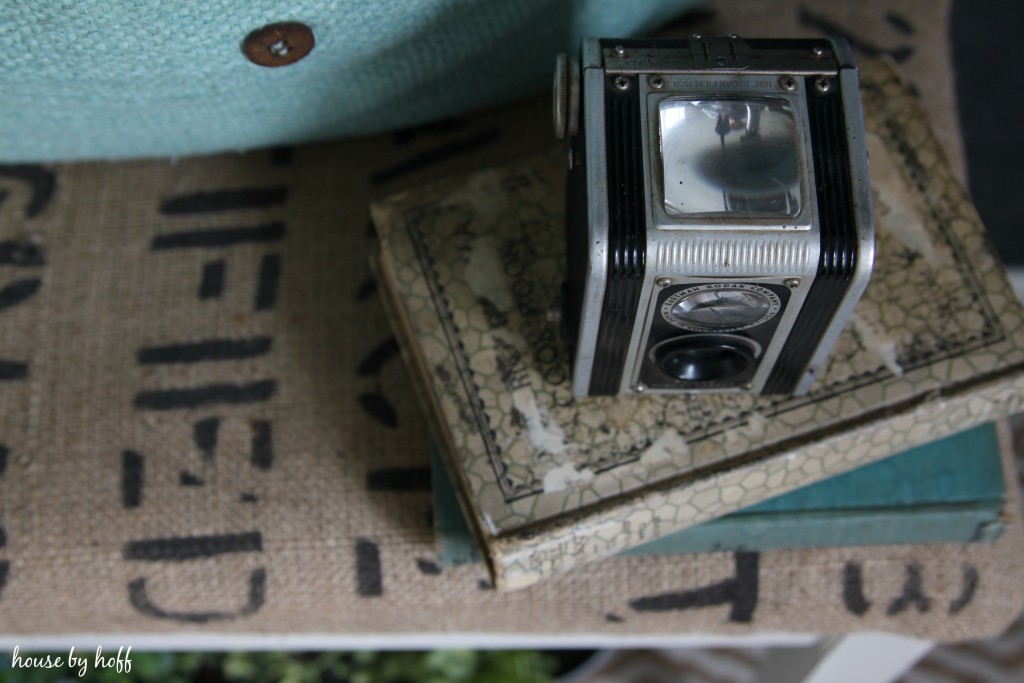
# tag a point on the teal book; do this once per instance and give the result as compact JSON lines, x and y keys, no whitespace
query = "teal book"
{"x":948,"y":491}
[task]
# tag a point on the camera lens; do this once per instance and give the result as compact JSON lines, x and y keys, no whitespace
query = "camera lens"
{"x":722,"y":308}
{"x":704,"y":358}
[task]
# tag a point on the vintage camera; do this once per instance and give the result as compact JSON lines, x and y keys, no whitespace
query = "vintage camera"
{"x":719,"y":213}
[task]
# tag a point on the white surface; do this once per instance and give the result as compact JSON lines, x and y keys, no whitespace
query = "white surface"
{"x":856,"y":658}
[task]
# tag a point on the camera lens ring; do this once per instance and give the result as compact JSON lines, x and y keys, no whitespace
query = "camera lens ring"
{"x":702,"y":358}
{"x":720,"y":307}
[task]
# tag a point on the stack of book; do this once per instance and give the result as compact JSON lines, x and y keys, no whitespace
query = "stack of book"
{"x":468,"y":268}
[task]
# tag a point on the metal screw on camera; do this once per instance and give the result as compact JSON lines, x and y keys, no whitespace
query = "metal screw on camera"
{"x":787,"y":83}
{"x":822,"y":84}
{"x":819,"y":51}
{"x":657,"y":82}
{"x":622,"y":83}
{"x":792,"y":282}
{"x":663,"y":282}
{"x":619,"y":51}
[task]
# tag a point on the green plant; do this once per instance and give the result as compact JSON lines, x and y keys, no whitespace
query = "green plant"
{"x":438,"y":666}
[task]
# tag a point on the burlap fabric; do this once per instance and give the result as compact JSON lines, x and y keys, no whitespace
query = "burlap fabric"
{"x":206,"y":426}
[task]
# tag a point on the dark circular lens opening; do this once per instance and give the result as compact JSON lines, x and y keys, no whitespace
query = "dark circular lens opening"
{"x":704,"y":359}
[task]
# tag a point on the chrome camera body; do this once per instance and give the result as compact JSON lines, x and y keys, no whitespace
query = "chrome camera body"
{"x":719,"y":213}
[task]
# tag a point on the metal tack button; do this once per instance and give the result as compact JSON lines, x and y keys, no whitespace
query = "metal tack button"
{"x":278,"y":44}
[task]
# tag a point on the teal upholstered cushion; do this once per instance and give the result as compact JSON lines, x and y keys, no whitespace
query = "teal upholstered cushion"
{"x":121,"y":78}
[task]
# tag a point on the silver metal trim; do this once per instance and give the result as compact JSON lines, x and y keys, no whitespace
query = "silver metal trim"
{"x":843,"y":52}
{"x":597,"y":220}
{"x":590,"y":53}
{"x":717,"y":255}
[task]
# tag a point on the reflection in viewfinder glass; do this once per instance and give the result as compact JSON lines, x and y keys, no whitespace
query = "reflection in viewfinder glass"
{"x":736,"y":156}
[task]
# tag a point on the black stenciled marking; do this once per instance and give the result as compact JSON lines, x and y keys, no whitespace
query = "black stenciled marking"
{"x":913,"y":593}
{"x":139,"y":599}
{"x":248,"y":498}
{"x":18,"y":292}
{"x":369,"y":581}
{"x":186,"y":478}
{"x":970,"y":587}
{"x":853,"y":589}
{"x":281,"y":156}
{"x":204,"y":433}
{"x":900,"y":23}
{"x":829,"y":27}
{"x":211,"y":283}
{"x":133,"y":469}
{"x":436,"y":156}
{"x":262,"y":454}
{"x":613,"y":618}
{"x":205,"y":350}
{"x":367,"y":289}
{"x":378,"y":357}
{"x":266,"y":287}
{"x":193,"y":547}
{"x":428,"y":567}
{"x":211,"y":394}
{"x":4,"y":452}
{"x":224,"y":237}
{"x":399,"y":479}
{"x":740,"y":591}
{"x":42,"y":183}
{"x":224,"y":200}
{"x":12,"y":369}
{"x":21,"y":253}
{"x":377,"y":406}
{"x":407,"y":135}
